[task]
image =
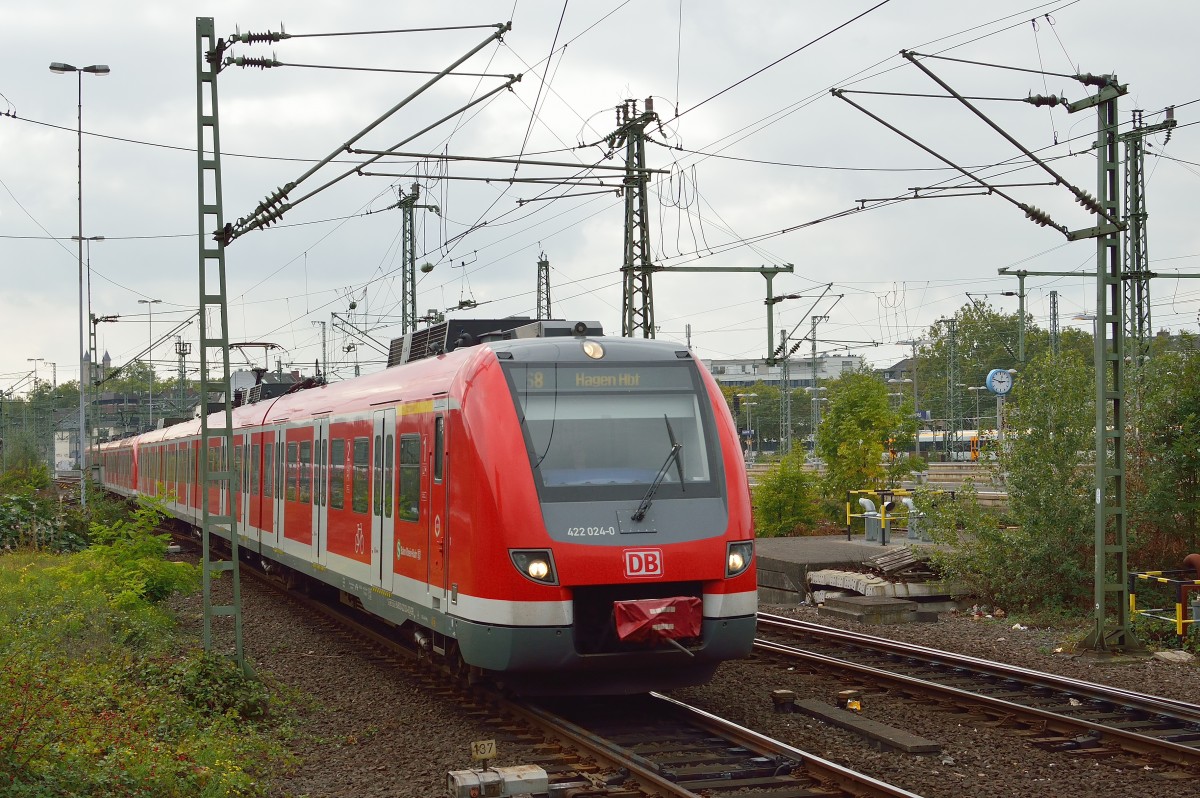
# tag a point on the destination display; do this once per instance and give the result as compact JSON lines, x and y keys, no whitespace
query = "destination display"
{"x":654,"y":377}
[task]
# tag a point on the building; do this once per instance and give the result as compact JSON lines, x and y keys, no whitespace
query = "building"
{"x":744,"y":373}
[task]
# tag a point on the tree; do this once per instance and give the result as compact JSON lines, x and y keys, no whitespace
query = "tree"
{"x":984,"y":339}
{"x":1164,"y":460}
{"x":785,"y":499}
{"x":1045,"y":560}
{"x":856,"y":427}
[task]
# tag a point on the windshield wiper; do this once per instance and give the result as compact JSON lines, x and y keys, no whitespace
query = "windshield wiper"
{"x":648,"y":499}
{"x":678,"y":460}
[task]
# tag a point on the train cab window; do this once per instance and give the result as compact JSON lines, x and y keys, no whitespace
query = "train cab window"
{"x":439,"y":435}
{"x":360,"y":480}
{"x":305,"y":476}
{"x":255,"y":454}
{"x":337,"y":474}
{"x":604,"y":430}
{"x":410,"y":478}
{"x":293,"y":472}
{"x":389,"y":458}
{"x":269,"y":470}
{"x":378,"y":492}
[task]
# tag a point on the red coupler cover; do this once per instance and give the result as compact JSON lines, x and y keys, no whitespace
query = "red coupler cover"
{"x":658,"y":619}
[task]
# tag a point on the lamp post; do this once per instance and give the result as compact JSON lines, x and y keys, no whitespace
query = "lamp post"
{"x":95,"y":69}
{"x":150,"y":303}
{"x":975,"y":389}
{"x":747,"y":406}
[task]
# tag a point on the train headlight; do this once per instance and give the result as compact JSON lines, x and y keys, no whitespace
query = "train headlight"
{"x":738,"y":557}
{"x":537,"y":565}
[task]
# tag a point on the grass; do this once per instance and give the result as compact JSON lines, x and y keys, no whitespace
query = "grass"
{"x":101,"y":695}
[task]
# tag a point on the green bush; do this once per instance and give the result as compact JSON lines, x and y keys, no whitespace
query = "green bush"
{"x":83,"y":713}
{"x":785,"y":499}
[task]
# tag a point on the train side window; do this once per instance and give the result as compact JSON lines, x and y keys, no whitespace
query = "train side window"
{"x":389,"y":459}
{"x":410,"y":478}
{"x":360,"y":484}
{"x":269,"y":470}
{"x":378,"y":474}
{"x":337,"y":474}
{"x":305,"y":477}
{"x":246,"y":464}
{"x":439,"y":435}
{"x":293,"y":453}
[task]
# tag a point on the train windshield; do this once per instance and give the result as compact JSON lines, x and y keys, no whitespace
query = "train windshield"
{"x":597,"y":431}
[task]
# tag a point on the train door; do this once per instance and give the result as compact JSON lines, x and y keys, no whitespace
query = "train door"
{"x":439,"y":527}
{"x":320,"y":491}
{"x":243,"y":477}
{"x":383,"y":497}
{"x":280,"y":486}
{"x":255,"y":477}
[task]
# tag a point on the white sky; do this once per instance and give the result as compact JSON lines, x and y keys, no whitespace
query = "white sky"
{"x":899,"y":268}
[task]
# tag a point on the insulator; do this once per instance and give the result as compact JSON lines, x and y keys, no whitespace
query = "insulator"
{"x":261,"y":63}
{"x":1094,"y":80}
{"x":1036,"y":214}
{"x":1088,"y":201}
{"x":1039,"y":100}
{"x":259,"y":38}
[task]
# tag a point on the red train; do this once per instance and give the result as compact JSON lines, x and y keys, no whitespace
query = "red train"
{"x":568,"y":510}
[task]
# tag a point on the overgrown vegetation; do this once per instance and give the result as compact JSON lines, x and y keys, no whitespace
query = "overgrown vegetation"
{"x":100,"y":696}
{"x":785,"y":500}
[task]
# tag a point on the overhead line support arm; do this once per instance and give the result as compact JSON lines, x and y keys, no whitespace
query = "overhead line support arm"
{"x":1032,"y":213}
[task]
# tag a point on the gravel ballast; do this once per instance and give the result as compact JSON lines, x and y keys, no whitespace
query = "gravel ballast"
{"x":365,"y":727}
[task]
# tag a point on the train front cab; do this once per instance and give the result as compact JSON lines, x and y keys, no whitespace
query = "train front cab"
{"x":631,"y":488}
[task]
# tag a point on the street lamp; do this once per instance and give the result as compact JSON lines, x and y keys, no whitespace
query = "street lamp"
{"x":975,"y":389}
{"x":750,"y":423}
{"x":747,"y":406}
{"x":60,"y":68}
{"x":150,"y":303}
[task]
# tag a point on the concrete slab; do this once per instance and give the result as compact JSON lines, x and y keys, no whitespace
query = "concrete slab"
{"x":884,"y":737}
{"x":874,"y":610}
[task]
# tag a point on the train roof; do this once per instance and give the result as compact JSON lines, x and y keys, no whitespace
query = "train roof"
{"x":422,"y":378}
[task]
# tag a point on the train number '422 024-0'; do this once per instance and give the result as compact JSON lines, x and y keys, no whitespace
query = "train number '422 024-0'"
{"x":587,"y":531}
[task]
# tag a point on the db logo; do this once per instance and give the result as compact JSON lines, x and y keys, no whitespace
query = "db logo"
{"x":643,"y":563}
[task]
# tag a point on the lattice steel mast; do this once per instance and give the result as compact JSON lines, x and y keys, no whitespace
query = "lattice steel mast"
{"x":216,"y":435}
{"x":637,"y":299}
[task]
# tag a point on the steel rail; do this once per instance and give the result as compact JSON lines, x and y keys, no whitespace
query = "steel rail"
{"x":1142,"y":701}
{"x":823,"y":770}
{"x":1169,"y":751}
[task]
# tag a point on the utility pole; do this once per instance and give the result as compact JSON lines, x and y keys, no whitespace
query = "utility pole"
{"x":408,"y":258}
{"x":543,"y":287}
{"x":913,"y":342}
{"x":785,"y":398}
{"x":637,"y":298}
{"x":1020,"y":293}
{"x":324,"y":350}
{"x":1137,"y":260}
{"x":182,"y":349}
{"x":954,"y":407}
{"x":1110,"y":593}
{"x":815,"y":410}
{"x":216,"y":438}
{"x":1054,"y":324}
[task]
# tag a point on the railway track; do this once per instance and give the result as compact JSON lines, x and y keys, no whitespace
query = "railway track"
{"x":1060,"y":713}
{"x":672,"y":749}
{"x":626,"y":747}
